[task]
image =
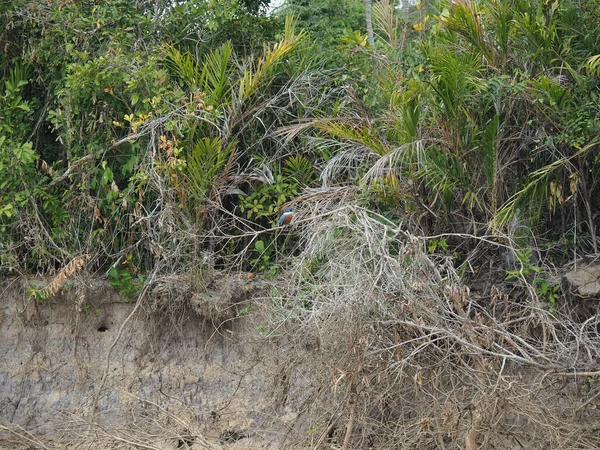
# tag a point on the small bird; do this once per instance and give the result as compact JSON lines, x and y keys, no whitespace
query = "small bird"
{"x":286,"y":217}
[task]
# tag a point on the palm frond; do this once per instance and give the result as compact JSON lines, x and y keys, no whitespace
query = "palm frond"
{"x":214,"y":75}
{"x":362,"y":133}
{"x":183,"y":66}
{"x":488,"y":148}
{"x":456,"y":79}
{"x":207,"y":163}
{"x":386,"y":22}
{"x":253,"y":77}
{"x":405,"y":108}
{"x":345,"y":162}
{"x":593,"y":65}
{"x":396,"y":163}
{"x":464,"y":19}
{"x":536,"y":191}
{"x":300,"y":168}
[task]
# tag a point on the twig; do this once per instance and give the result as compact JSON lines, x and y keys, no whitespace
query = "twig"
{"x":576,"y":374}
{"x":25,"y":435}
{"x":350,"y":426}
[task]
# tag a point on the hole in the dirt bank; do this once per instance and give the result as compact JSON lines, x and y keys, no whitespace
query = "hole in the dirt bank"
{"x":102,"y":328}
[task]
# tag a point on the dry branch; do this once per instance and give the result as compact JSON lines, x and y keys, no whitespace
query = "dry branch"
{"x":442,"y":366}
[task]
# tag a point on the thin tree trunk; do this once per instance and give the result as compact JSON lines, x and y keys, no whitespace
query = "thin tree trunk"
{"x":369,"y":18}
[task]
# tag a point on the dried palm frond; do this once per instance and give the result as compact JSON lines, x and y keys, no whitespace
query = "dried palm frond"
{"x":74,"y":266}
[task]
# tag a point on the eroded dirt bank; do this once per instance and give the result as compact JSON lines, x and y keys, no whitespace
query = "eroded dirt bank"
{"x":173,"y":377}
{"x":200,"y":364}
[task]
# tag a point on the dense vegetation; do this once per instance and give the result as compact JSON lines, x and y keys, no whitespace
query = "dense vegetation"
{"x":122,"y":120}
{"x":160,"y":137}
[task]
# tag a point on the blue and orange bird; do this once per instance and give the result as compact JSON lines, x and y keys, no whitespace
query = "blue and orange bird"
{"x":286,"y":217}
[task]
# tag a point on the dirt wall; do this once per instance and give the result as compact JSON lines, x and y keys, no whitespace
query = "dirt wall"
{"x":171,"y":369}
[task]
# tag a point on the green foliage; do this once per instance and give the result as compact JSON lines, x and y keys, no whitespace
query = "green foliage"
{"x":123,"y":280}
{"x":434,"y":244}
{"x":244,"y":311}
{"x":353,"y":40}
{"x":384,"y":196}
{"x":211,"y":77}
{"x":20,"y":181}
{"x":487,"y":115}
{"x":253,"y":77}
{"x":462,"y":116}
{"x":526,"y":268}
{"x":122,"y":106}
{"x":263,"y":261}
{"x":207,"y":165}
{"x":455,"y":78}
{"x":203,"y":26}
{"x":549,"y":293}
{"x":37,"y":292}
{"x":266,"y":200}
{"x":300,"y":169}
{"x":327,"y":22}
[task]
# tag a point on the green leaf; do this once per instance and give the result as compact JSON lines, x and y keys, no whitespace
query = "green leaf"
{"x":107,"y":176}
{"x":128,"y":167}
{"x":7,"y":211}
{"x":259,"y":246}
{"x":25,"y":153}
{"x":113,"y":272}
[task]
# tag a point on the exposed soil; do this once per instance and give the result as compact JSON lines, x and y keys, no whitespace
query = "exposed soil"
{"x":197,"y":364}
{"x":172,"y":374}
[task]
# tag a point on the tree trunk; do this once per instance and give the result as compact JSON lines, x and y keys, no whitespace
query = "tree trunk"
{"x":368,"y":16}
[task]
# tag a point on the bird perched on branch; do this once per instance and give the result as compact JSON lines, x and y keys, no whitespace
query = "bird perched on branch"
{"x":286,"y":217}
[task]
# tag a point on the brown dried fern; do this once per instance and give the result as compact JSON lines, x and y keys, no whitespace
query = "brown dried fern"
{"x":65,"y":273}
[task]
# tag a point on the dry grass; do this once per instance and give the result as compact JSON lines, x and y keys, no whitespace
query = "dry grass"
{"x":146,"y":425}
{"x":409,"y":358}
